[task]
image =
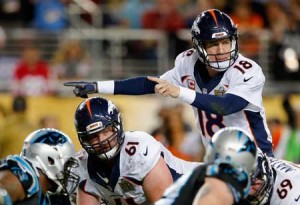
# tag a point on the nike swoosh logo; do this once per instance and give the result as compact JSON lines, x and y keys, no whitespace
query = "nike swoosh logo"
{"x":247,"y":79}
{"x":297,"y":199}
{"x":104,"y":179}
{"x":146,"y":153}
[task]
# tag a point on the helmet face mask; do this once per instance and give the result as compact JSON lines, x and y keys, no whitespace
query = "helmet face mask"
{"x":104,"y":149}
{"x":214,"y":25}
{"x":50,"y":150}
{"x":262,"y":181}
{"x":93,"y":117}
{"x":71,"y":177}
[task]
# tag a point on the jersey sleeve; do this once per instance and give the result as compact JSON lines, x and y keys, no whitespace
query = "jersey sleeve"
{"x":141,"y":153}
{"x":82,"y":157}
{"x":248,"y":85}
{"x":24,"y":172}
{"x":171,"y":76}
{"x":88,"y":186}
{"x":184,"y":64}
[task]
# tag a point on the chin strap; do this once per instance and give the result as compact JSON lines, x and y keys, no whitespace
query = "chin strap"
{"x":4,"y":197}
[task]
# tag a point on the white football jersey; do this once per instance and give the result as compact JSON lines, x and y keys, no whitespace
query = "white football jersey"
{"x":140,"y":152}
{"x":244,"y":79}
{"x":286,"y":189}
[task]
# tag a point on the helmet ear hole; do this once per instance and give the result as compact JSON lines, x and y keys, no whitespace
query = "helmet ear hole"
{"x":51,"y":160}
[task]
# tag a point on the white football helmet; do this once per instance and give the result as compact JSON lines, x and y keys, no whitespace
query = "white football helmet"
{"x":53,"y":152}
{"x":234,"y":146}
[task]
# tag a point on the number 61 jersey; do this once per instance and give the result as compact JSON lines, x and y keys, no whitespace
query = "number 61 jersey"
{"x":122,"y":184}
{"x":244,"y":79}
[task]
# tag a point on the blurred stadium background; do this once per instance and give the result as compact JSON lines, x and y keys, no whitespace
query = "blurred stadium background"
{"x":119,"y":39}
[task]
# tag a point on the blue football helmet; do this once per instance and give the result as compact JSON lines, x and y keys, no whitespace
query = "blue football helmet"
{"x":53,"y":152}
{"x":211,"y":25}
{"x":264,"y":173}
{"x":93,"y":116}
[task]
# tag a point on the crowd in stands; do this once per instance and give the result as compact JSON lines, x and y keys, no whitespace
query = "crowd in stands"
{"x":138,"y":14}
{"x":280,"y":18}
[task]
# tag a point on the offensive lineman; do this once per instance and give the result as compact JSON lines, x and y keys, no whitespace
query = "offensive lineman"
{"x":123,"y":167}
{"x":276,"y":182}
{"x":223,"y":86}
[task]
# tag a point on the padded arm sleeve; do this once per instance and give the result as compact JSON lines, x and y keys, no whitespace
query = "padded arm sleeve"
{"x":134,"y":86}
{"x":221,"y":105}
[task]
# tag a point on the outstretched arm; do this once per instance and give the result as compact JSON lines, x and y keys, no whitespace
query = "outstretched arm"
{"x":132,"y":86}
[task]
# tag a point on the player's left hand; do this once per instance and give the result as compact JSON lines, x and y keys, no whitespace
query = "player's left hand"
{"x":165,"y":88}
{"x":82,"y":89}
